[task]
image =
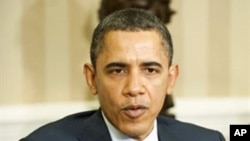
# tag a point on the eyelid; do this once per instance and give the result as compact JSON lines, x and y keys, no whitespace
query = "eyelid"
{"x":111,"y":67}
{"x":155,"y":69}
{"x":114,"y":69}
{"x":152,"y":69}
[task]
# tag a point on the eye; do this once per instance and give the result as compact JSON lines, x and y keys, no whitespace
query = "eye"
{"x":151,"y":70}
{"x":116,"y":71}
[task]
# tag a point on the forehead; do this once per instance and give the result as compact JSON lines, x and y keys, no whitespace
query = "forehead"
{"x":131,"y":44}
{"x":127,"y":39}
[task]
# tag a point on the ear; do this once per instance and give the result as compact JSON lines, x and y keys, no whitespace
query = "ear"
{"x":172,"y":76}
{"x":89,"y":73}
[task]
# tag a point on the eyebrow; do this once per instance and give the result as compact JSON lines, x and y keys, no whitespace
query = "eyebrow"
{"x":115,"y":64}
{"x":123,"y":65}
{"x":151,"y":64}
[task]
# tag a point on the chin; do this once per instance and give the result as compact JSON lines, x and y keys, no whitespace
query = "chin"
{"x":137,"y":131}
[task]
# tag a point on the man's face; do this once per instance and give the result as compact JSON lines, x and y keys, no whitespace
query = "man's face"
{"x":131,"y":80}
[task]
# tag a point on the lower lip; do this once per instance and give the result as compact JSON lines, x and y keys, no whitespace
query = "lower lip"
{"x":134,"y":113}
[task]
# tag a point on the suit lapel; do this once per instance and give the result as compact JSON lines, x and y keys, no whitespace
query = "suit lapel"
{"x":163,"y":132}
{"x":95,"y":129}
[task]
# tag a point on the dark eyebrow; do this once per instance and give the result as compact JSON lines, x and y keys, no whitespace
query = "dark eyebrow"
{"x":115,"y":64}
{"x":151,"y":64}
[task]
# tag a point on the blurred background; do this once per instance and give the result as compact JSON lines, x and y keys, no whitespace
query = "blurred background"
{"x":44,"y":44}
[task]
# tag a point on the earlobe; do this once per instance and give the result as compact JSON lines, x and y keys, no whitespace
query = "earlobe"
{"x":89,"y":73}
{"x":172,"y":76}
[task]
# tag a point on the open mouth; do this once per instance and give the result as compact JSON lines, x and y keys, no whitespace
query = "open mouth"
{"x":134,"y":111}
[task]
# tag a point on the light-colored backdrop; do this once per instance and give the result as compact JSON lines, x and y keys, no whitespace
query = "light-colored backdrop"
{"x":44,"y":43}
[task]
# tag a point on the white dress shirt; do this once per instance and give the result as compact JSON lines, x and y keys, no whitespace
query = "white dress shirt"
{"x":116,"y":135}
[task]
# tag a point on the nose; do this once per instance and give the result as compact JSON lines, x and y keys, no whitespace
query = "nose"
{"x":134,"y":85}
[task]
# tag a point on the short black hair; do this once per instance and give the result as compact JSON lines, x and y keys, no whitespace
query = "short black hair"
{"x":130,"y":19}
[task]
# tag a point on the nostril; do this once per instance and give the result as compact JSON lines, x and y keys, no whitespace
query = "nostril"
{"x":134,"y":91}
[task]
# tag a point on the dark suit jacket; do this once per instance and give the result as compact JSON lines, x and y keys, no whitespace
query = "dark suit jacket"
{"x":90,"y":126}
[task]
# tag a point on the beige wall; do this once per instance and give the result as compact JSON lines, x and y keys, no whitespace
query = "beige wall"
{"x":43,"y":44}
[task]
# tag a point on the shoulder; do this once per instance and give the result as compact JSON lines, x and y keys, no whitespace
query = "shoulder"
{"x":187,"y":131}
{"x":67,"y":128}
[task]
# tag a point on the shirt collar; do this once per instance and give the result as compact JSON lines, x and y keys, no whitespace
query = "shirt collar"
{"x":116,"y":135}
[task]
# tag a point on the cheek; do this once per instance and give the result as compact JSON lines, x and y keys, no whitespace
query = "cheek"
{"x":108,"y":93}
{"x":158,"y":97}
{"x":158,"y":86}
{"x":157,"y":90}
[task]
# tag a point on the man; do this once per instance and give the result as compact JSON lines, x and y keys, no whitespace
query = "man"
{"x":160,"y":8}
{"x":131,"y":72}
